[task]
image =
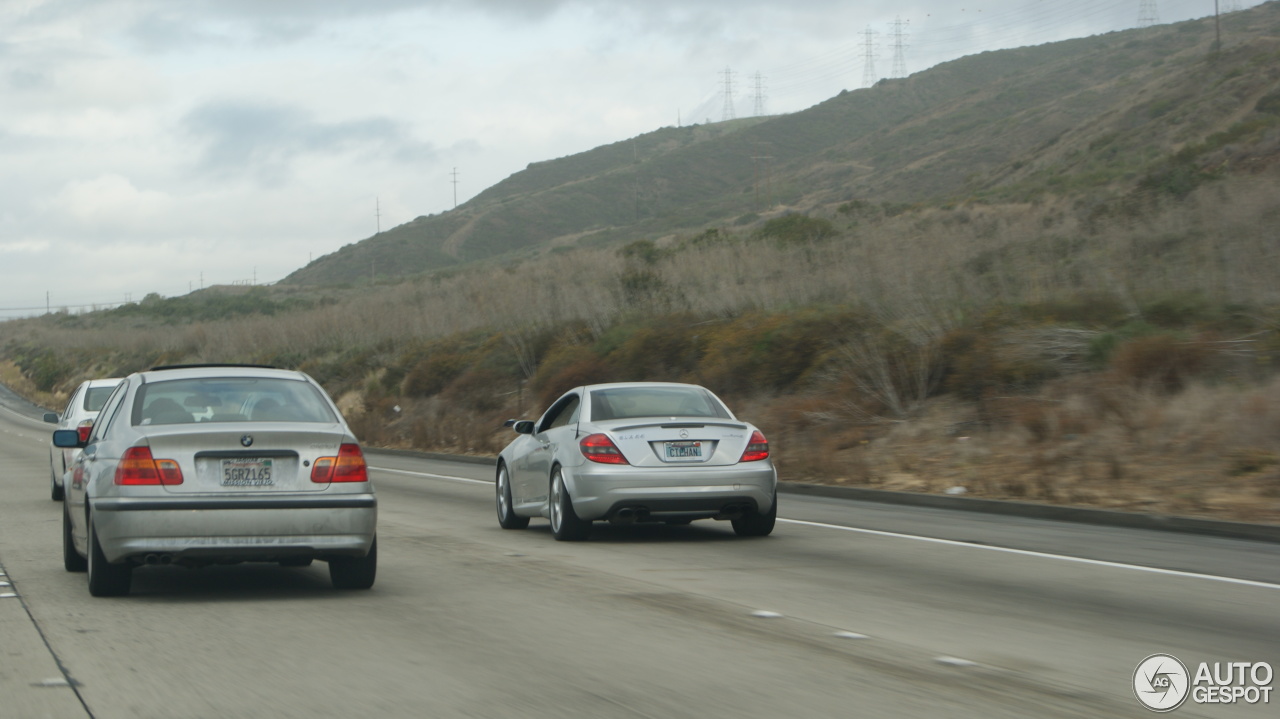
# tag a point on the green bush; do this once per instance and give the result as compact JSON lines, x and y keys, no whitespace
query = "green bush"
{"x":797,"y":229}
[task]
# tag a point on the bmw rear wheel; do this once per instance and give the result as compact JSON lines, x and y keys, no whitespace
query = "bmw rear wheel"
{"x":105,"y":579}
{"x":507,"y":517}
{"x":565,"y":524}
{"x":355,"y":572}
{"x":71,"y":559}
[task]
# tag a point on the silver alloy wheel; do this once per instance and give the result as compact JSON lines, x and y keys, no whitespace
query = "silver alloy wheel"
{"x":557,"y":492}
{"x":503,"y":509}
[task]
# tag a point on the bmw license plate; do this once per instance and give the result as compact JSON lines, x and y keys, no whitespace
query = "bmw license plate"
{"x":249,"y":472}
{"x":684,"y":451}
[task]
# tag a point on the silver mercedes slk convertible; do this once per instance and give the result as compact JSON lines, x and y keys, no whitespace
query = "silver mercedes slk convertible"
{"x":636,"y":452}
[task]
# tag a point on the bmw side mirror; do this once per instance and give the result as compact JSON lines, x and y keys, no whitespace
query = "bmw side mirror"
{"x":67,"y":439}
{"x":524,"y":426}
{"x":51,"y":417}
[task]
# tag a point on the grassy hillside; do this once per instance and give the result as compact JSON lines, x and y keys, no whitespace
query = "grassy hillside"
{"x":1086,"y":311}
{"x":1150,"y":108}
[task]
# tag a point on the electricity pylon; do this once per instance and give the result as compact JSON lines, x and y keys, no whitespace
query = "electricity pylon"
{"x":1148,"y":13}
{"x":899,"y":59}
{"x":869,"y":76}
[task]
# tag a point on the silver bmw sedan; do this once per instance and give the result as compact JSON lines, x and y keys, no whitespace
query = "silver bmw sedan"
{"x":218,"y":464}
{"x":636,"y":452}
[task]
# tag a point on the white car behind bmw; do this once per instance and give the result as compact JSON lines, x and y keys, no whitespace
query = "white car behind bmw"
{"x":81,"y":410}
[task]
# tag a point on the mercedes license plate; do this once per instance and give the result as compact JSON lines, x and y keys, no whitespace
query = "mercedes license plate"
{"x":685,"y":451}
{"x":248,"y":472}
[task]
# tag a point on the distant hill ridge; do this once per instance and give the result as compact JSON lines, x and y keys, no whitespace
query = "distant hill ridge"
{"x":1153,"y":109}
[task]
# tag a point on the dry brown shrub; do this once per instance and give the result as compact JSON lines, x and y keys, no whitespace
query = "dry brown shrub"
{"x":586,"y":369}
{"x":481,"y":389}
{"x":1161,"y":362}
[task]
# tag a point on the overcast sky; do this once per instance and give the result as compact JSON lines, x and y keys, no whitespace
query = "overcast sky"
{"x":153,"y":145}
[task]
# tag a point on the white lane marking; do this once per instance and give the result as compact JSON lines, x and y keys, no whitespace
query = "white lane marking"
{"x":25,"y":418}
{"x":850,"y":635}
{"x":955,"y":662}
{"x":950,"y":542}
{"x":765,"y":614}
{"x":1044,"y":555}
{"x":433,"y":476}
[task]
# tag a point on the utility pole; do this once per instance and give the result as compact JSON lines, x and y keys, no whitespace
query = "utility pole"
{"x":758,"y":110}
{"x":48,"y":306}
{"x":728,"y":113}
{"x":869,"y":76}
{"x":455,"y":188}
{"x":899,"y":58}
{"x":377,"y":213}
{"x":1148,"y":13}
{"x":756,"y":161}
{"x":1217,"y":28}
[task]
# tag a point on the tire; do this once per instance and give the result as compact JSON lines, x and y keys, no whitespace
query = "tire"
{"x":106,"y":580}
{"x":756,"y":524}
{"x":507,"y":517}
{"x":56,"y":491}
{"x":72,"y":561}
{"x":565,"y":524}
{"x":355,"y":572}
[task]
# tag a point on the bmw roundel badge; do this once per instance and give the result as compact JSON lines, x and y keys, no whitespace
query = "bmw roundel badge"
{"x":246,"y":441}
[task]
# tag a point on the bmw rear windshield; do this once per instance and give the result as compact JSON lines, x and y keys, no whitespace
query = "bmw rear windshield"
{"x":229,"y":399}
{"x":635,"y":402}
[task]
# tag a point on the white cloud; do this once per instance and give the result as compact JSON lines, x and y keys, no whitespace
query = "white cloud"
{"x":111,"y":202}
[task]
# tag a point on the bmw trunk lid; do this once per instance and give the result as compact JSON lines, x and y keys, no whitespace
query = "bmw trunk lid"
{"x":250,"y":458}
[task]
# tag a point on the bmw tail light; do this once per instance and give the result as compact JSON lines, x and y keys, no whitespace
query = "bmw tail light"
{"x":757,"y":448}
{"x":138,"y":467}
{"x":599,"y":448}
{"x":83,"y":429}
{"x":348,"y":466}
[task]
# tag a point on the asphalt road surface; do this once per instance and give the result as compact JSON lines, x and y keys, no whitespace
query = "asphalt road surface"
{"x":848,"y":610}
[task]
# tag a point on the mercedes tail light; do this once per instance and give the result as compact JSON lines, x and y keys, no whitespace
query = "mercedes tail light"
{"x":599,"y":448}
{"x":348,"y":466}
{"x":757,"y":448}
{"x":138,"y":467}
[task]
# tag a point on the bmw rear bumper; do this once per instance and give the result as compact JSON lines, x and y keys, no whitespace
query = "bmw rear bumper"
{"x":236,"y":530}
